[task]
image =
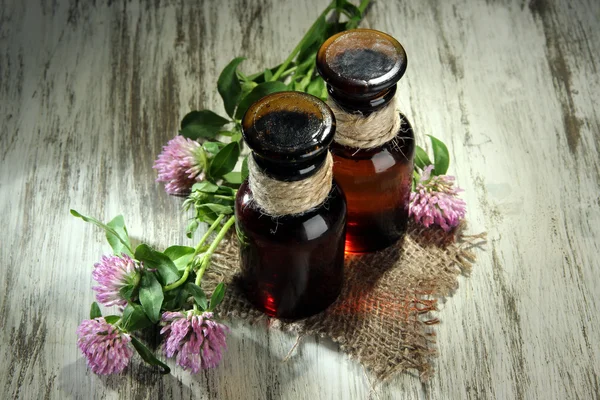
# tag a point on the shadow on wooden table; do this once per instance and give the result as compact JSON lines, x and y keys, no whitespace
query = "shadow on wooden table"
{"x":245,"y":356}
{"x":254,"y":360}
{"x":77,"y":381}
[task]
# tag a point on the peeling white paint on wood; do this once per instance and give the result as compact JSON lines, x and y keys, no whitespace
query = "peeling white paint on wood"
{"x":90,"y":91}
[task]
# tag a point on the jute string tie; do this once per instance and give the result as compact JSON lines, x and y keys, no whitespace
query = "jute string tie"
{"x":376,"y":129}
{"x":277,"y":198}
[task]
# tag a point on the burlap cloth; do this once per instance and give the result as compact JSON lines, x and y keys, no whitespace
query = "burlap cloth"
{"x":383,"y":317}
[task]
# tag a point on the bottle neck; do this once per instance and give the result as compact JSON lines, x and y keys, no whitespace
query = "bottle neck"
{"x":278,"y":198}
{"x":353,"y":103}
{"x":290,"y":171}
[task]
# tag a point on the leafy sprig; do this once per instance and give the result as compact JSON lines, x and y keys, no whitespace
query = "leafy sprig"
{"x":168,"y":281}
{"x":221,"y":136}
{"x":171,"y":280}
{"x":434,"y":198}
{"x":441,"y":159}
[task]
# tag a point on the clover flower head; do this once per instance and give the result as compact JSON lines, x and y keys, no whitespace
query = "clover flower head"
{"x":104,"y":346}
{"x":113,"y":273}
{"x":197,"y":341}
{"x":435,"y":201}
{"x":180,"y":165}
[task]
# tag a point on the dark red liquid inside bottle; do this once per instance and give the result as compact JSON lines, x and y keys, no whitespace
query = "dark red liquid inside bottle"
{"x":292,"y":265}
{"x":377,"y":184}
{"x":361,"y":68}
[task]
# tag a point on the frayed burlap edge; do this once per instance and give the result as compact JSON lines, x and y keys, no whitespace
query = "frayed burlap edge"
{"x":384,"y":316}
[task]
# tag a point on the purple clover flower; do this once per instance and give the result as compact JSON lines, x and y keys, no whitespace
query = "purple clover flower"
{"x":435,"y":201}
{"x":113,"y":273}
{"x":180,"y":165}
{"x":104,"y":346}
{"x":197,"y":340}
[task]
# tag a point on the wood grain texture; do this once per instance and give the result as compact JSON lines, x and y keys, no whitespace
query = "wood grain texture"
{"x":91,"y":90}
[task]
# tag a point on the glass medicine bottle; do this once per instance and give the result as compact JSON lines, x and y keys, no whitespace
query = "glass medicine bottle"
{"x":290,"y":214}
{"x":373,"y":148}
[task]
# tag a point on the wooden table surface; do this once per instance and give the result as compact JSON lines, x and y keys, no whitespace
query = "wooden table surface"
{"x":91,"y":90}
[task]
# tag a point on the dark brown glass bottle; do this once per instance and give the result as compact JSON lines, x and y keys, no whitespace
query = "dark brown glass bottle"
{"x":292,"y":265}
{"x":361,"y":68}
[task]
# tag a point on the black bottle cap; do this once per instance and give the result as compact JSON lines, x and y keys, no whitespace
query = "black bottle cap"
{"x":289,"y":133}
{"x":361,"y":63}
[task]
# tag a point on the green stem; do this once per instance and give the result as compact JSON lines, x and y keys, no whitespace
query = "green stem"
{"x":103,"y":226}
{"x":213,"y":247}
{"x":127,"y":246}
{"x":180,"y":281}
{"x":186,"y":272}
{"x":363,"y":5}
{"x":207,"y":234}
{"x":306,"y":80}
{"x":288,"y":71}
{"x":219,"y":196}
{"x":296,"y":50}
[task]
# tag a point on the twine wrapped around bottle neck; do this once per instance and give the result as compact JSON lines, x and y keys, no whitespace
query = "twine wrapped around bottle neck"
{"x":376,"y":129}
{"x":278,"y":198}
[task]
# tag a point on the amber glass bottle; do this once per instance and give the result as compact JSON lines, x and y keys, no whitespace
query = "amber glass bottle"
{"x":361,"y":68}
{"x":292,"y":265}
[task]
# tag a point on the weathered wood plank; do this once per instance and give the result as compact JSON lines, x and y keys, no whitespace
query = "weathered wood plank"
{"x":90,"y":91}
